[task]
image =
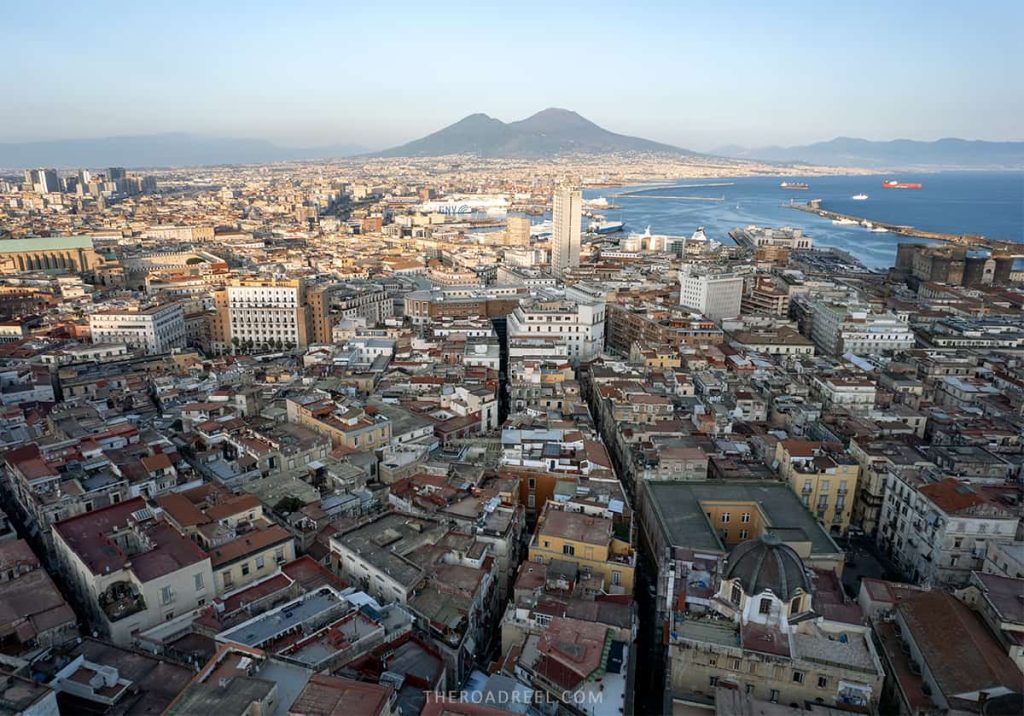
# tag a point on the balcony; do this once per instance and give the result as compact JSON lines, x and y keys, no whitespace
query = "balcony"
{"x":121,"y":600}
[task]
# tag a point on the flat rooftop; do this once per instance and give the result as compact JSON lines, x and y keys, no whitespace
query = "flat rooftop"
{"x":267,"y":626}
{"x":679,"y":511}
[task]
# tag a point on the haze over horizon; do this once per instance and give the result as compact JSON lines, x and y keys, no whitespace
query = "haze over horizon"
{"x":314,"y":73}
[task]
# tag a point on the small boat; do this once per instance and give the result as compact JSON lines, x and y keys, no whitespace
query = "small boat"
{"x":879,"y":230}
{"x":859,"y":197}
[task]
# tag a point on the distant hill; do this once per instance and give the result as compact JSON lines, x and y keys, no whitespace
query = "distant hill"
{"x":551,"y":131}
{"x":898,"y":153}
{"x":159,"y":150}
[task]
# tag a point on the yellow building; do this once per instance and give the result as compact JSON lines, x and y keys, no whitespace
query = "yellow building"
{"x":348,"y":427}
{"x":823,"y":476}
{"x":589,"y":542}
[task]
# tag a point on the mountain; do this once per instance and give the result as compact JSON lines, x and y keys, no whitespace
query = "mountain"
{"x":551,"y":131}
{"x":898,"y":153}
{"x":159,"y":150}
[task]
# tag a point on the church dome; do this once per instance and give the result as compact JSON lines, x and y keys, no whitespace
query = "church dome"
{"x":766,"y":563}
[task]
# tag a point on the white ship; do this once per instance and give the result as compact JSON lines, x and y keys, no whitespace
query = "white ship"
{"x":467,"y":204}
{"x":859,"y":197}
{"x":843,"y":222}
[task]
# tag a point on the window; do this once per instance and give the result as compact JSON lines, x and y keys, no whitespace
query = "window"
{"x":569,"y":550}
{"x":735,"y":595}
{"x":774,"y":698}
{"x":259,"y":562}
{"x":744,"y":534}
{"x":713,"y":681}
{"x":734,"y":664}
{"x":547,"y":543}
{"x":166,"y":595}
{"x":279,"y":555}
{"x":798,"y":677}
{"x":822,"y":682}
{"x":227,"y":577}
{"x":745,"y":517}
{"x":764,"y":606}
{"x":617,"y":578}
{"x":725,"y":517}
{"x":199,"y":581}
{"x":245,"y":569}
{"x":531,"y":500}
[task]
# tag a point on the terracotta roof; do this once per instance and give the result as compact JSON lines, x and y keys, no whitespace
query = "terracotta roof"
{"x":951,"y":495}
{"x":251,"y":543}
{"x":961,"y":653}
{"x":336,"y":696}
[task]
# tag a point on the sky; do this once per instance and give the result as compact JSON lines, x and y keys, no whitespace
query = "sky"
{"x":694,"y":74}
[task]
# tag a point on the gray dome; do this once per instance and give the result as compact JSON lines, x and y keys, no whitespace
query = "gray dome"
{"x":767,"y":563}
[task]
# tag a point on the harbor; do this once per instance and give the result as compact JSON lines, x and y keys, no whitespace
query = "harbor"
{"x":969,"y":240}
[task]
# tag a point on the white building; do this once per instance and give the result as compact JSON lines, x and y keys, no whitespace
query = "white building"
{"x":131,"y":570}
{"x":839,"y":327}
{"x":268,"y":313}
{"x":579,"y":323}
{"x":937,"y":533}
{"x":716,"y":295}
{"x":157,"y":329}
{"x":566,"y":212}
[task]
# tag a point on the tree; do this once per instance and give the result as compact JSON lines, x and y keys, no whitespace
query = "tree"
{"x":289,"y":504}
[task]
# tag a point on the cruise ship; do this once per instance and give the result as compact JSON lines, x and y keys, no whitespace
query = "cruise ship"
{"x":467,"y":204}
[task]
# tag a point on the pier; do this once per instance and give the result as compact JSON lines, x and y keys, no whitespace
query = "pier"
{"x":968,"y":240}
{"x":643,"y":192}
{"x":677,"y":198}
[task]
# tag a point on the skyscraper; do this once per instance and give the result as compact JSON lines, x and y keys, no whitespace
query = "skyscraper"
{"x":116,"y":174}
{"x":42,"y":181}
{"x":566,"y":210}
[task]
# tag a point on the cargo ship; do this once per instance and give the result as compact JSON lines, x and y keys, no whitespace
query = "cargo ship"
{"x":893,"y":184}
{"x":800,"y":186}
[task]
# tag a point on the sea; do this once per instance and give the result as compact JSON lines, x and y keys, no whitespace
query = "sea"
{"x":990,"y":204}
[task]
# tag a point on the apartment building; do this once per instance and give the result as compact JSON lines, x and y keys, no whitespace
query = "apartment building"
{"x":938,"y":532}
{"x":155,"y":329}
{"x":845,"y":326}
{"x":347,"y":426}
{"x":578,"y":323}
{"x":131,"y":570}
{"x":588,"y":541}
{"x":244,"y":546}
{"x":331,"y":302}
{"x":823,"y":476}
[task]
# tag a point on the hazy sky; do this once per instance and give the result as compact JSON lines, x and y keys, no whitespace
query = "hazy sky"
{"x":695,"y":74}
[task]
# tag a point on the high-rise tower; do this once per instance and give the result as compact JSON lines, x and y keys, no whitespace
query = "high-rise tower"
{"x":566,"y":211}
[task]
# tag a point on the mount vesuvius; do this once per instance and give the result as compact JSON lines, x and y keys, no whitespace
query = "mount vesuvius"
{"x":551,"y":131}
